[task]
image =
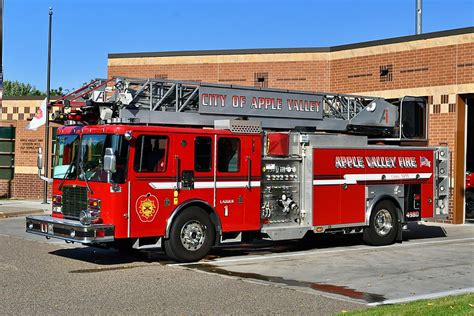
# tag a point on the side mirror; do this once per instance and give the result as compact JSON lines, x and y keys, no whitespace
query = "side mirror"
{"x":110,"y":161}
{"x":39,"y":160}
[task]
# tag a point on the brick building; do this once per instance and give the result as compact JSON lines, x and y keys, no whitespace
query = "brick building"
{"x":438,"y":66}
{"x":19,"y":147}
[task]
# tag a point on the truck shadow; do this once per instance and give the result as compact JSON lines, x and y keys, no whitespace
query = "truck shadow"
{"x":107,"y":257}
{"x":418,"y":230}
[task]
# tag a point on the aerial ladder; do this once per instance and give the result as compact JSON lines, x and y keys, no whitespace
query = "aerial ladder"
{"x":186,"y":103}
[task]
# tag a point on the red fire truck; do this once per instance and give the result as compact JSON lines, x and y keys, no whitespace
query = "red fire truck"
{"x":469,"y":195}
{"x":185,"y":166}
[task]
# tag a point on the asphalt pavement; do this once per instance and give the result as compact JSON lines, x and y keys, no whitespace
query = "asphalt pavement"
{"x":40,"y":276}
{"x":322,"y":275}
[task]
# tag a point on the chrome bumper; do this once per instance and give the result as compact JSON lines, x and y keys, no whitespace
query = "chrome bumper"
{"x":69,"y":230}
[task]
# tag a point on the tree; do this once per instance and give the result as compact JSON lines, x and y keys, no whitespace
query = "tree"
{"x":57,"y":92}
{"x":16,"y":88}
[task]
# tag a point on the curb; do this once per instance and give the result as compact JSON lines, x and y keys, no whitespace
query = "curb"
{"x":8,"y":214}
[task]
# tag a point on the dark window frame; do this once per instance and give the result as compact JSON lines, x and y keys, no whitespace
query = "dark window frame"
{"x":137,"y":167}
{"x":219,"y":155}
{"x":7,"y":171}
{"x":196,"y":155}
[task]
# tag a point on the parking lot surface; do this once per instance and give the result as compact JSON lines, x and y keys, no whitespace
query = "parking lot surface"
{"x":324,"y":274}
{"x":434,"y":260}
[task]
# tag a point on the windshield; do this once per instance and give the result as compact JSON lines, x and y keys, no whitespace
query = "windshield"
{"x":65,"y":154}
{"x":92,"y":156}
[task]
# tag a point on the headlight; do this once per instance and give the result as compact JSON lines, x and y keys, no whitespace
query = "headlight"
{"x":85,"y":217}
{"x":88,"y":217}
{"x":58,"y":209}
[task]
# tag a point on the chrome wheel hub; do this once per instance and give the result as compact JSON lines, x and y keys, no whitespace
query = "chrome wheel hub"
{"x":193,"y":235}
{"x":383,"y":222}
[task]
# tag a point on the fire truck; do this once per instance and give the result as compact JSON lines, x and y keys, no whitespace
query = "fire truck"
{"x":469,"y":195}
{"x":185,"y":166}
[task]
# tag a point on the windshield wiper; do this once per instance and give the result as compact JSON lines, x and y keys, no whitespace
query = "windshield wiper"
{"x":65,"y":176}
{"x":84,"y":175}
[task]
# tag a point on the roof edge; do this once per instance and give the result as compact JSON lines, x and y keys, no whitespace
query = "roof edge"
{"x":392,"y":40}
{"x":26,"y":97}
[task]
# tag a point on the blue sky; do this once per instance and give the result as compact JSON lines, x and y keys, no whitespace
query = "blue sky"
{"x":85,"y":31}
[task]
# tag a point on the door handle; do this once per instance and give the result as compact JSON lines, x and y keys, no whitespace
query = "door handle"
{"x":177,"y":162}
{"x":249,"y":173}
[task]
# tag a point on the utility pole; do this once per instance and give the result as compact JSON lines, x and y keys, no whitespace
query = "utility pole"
{"x":48,"y":95}
{"x":418,"y":16}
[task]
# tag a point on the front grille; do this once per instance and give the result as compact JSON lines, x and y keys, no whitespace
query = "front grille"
{"x":74,"y":201}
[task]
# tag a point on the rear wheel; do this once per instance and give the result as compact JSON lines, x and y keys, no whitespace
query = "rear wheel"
{"x":191,"y":236}
{"x":383,"y":227}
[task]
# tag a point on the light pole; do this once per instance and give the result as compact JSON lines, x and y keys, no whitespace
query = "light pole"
{"x":419,"y":12}
{"x":48,"y":95}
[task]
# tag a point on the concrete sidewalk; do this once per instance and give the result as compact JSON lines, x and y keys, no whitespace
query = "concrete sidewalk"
{"x":13,"y":208}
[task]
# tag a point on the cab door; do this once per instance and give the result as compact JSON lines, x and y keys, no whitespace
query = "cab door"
{"x":152,"y":184}
{"x":238,"y":182}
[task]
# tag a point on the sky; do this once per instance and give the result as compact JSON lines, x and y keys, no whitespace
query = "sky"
{"x":86,"y":31}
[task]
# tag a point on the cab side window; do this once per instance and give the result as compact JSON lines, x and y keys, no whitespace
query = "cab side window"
{"x":202,"y":154}
{"x":151,"y":153}
{"x":228,"y":154}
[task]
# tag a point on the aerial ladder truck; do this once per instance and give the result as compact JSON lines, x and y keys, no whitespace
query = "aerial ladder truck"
{"x":185,"y":166}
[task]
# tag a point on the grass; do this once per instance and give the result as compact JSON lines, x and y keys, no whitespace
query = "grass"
{"x":449,"y":305}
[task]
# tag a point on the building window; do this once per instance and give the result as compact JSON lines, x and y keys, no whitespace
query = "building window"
{"x":150,"y":153}
{"x":7,"y":152}
{"x":261,"y":79}
{"x":228,"y":152}
{"x":202,"y":154}
{"x":386,"y":73}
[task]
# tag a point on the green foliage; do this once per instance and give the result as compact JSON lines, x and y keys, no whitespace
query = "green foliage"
{"x":57,"y":92}
{"x":449,"y":305}
{"x":16,"y":89}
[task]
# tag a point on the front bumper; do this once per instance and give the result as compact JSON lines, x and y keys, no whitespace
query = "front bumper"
{"x":69,"y":230}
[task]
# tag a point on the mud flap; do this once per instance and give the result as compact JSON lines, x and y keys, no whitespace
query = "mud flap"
{"x":400,"y":232}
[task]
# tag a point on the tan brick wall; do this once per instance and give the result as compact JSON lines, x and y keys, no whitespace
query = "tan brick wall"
{"x":29,"y":186}
{"x":27,"y":183}
{"x":444,"y":61}
{"x":19,"y":109}
{"x":7,"y":188}
{"x":288,"y":75}
{"x":436,"y":66}
{"x":442,"y":131}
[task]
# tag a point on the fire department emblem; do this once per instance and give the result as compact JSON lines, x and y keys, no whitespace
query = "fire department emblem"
{"x":146,"y":207}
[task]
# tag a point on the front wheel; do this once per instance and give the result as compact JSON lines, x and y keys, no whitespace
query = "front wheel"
{"x":383,"y":227}
{"x":191,"y":236}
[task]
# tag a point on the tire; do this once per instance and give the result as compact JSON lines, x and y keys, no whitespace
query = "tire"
{"x":191,"y":236}
{"x":383,"y":227}
{"x":470,"y":205}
